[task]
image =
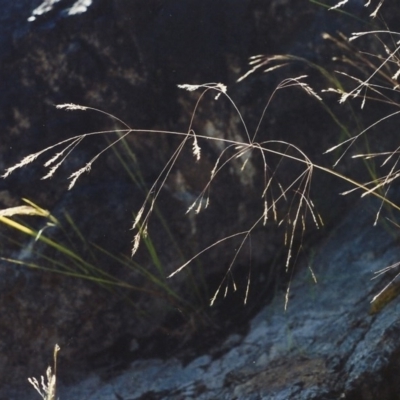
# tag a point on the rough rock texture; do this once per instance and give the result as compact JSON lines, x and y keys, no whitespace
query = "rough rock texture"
{"x":126,"y":58}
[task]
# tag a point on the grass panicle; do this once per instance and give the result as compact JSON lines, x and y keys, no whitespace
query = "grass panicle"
{"x":47,"y":390}
{"x":367,"y":4}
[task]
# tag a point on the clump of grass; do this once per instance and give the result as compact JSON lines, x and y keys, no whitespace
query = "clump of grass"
{"x":295,"y":194}
{"x":274,"y":154}
{"x":47,"y":390}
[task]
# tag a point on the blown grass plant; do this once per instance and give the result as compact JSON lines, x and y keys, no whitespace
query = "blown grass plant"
{"x":299,"y":205}
{"x":294,"y":196}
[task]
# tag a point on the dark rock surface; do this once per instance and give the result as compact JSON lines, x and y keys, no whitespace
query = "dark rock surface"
{"x":126,"y":58}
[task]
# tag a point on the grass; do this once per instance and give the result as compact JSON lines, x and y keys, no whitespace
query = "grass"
{"x":47,"y":390}
{"x":374,"y":79}
{"x":374,"y":13}
{"x":68,"y":261}
{"x":296,"y":194}
{"x":299,"y":206}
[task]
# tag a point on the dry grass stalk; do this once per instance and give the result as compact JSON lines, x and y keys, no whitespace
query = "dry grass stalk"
{"x":47,"y":390}
{"x":373,"y":14}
